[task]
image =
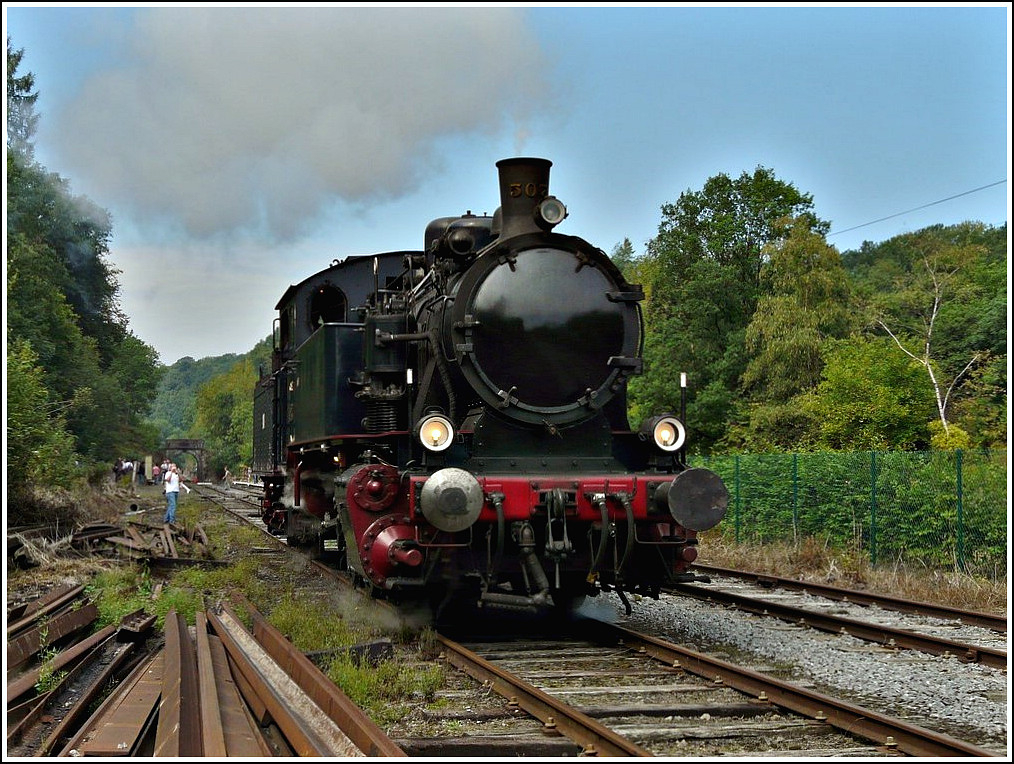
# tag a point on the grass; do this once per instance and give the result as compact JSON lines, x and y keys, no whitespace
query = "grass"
{"x":48,"y":679}
{"x":810,"y":560}
{"x":118,"y":592}
{"x":385,"y":690}
{"x":329,"y":622}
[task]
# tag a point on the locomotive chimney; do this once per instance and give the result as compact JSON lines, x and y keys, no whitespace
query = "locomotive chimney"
{"x":524,"y":182}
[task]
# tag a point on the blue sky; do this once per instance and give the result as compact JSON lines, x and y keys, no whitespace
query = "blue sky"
{"x":240,"y":148}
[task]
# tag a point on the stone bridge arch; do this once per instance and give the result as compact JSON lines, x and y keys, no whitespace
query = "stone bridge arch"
{"x":192,"y":446}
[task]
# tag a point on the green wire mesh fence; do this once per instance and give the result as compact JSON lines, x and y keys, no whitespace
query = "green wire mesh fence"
{"x":936,"y":508}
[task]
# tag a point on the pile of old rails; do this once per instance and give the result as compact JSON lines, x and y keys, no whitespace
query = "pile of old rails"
{"x":220,"y":689}
{"x":57,"y":664}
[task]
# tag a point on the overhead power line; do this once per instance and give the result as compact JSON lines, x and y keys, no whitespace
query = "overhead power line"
{"x":939,"y":201}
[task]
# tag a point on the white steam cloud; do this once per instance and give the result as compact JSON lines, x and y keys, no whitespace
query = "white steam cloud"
{"x":220,"y":120}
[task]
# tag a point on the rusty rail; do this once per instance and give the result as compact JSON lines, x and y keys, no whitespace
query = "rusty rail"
{"x":593,"y":737}
{"x":836,"y":624}
{"x":308,"y":730}
{"x":359,"y":727}
{"x":968,"y":617}
{"x":878,"y":728}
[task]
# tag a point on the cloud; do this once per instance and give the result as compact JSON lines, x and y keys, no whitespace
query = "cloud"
{"x":258,"y":120}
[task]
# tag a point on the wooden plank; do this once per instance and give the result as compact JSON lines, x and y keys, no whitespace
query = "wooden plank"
{"x":135,"y":534}
{"x":128,"y":542}
{"x":167,"y":537}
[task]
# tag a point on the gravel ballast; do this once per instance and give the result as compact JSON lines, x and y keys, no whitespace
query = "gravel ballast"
{"x":965,"y":700}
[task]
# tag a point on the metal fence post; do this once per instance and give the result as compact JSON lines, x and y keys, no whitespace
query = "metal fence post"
{"x":961,"y":516}
{"x":737,"y":498}
{"x":873,"y":507}
{"x":795,"y":497}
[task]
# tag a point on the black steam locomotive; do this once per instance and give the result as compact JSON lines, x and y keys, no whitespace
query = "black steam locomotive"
{"x":451,"y":423}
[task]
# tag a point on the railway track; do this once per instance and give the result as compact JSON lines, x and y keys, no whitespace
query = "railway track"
{"x":975,"y":646}
{"x":539,"y":723}
{"x":624,"y":693}
{"x":610,"y":700}
{"x":990,"y":621}
{"x":611,"y":691}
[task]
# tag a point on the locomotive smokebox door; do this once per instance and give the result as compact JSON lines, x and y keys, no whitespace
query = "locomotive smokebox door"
{"x":541,"y":335}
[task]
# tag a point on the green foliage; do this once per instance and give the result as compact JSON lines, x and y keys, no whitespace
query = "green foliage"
{"x":224,"y":417}
{"x":623,"y":257}
{"x":941,"y":294}
{"x":317,"y":626}
{"x":173,"y":408}
{"x":39,"y":447}
{"x":895,"y":506}
{"x":702,"y":278}
{"x":42,"y":209}
{"x":49,"y":679}
{"x":980,"y":404}
{"x":21,"y":116}
{"x":869,"y":397}
{"x":62,"y":303}
{"x":383,"y":690}
{"x":119,"y":592}
{"x":951,"y":439}
{"x":38,"y":313}
{"x":764,"y":427}
{"x":218,"y":582}
{"x":212,"y":399}
{"x":184,"y":601}
{"x":806,"y":302}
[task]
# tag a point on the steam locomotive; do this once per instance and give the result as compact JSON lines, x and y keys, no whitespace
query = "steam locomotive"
{"x":450,"y":424}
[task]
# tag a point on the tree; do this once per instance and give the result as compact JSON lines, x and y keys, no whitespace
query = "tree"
{"x":806,"y":302}
{"x":39,"y":447}
{"x":42,"y":210}
{"x":624,"y":258}
{"x":869,"y":398}
{"x":939,"y":294}
{"x":224,"y":417}
{"x":21,"y":116}
{"x":62,"y":298}
{"x":39,"y":315}
{"x":702,"y":277}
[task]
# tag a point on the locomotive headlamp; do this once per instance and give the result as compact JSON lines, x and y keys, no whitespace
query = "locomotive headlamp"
{"x":550,"y":213}
{"x":668,"y":433}
{"x":436,"y":432}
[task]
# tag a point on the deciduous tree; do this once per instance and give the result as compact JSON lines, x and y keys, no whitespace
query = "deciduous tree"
{"x":702,"y":275}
